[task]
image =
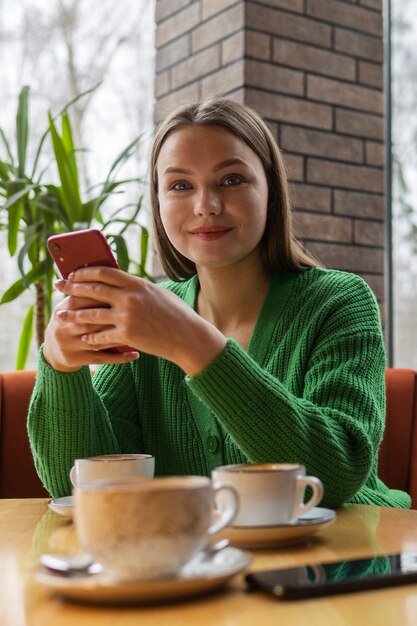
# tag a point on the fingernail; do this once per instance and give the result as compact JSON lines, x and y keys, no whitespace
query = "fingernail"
{"x":62,"y":315}
{"x":60,"y":283}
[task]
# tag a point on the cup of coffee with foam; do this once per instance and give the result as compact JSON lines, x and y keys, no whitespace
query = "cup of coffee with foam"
{"x":144,"y":529}
{"x":269,"y":493}
{"x":109,"y":466}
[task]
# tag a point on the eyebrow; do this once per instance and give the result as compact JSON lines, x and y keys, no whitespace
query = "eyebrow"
{"x":216,"y":168}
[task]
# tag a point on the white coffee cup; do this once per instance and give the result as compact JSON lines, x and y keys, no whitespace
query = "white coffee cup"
{"x":111,"y":466}
{"x":142,"y":529}
{"x":269,"y":493}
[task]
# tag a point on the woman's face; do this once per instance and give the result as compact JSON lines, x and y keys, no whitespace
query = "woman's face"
{"x":213,"y":196}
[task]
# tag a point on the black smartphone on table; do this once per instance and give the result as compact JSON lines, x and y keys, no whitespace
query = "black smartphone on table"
{"x":322,"y":579}
{"x":82,"y":248}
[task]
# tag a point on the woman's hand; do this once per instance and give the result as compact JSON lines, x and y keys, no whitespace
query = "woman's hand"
{"x":63,"y":348}
{"x":133,"y":312}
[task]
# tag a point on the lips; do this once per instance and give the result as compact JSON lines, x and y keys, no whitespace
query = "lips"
{"x":209,"y":229}
{"x":210,"y":233}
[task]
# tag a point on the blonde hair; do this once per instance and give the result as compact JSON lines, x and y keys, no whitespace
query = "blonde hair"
{"x":280,"y":251}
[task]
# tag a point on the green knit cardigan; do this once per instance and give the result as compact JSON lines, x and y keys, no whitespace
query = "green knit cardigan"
{"x":309,"y":389}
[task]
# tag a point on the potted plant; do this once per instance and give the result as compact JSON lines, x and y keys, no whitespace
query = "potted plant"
{"x":32,"y":208}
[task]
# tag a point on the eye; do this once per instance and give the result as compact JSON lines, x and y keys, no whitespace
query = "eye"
{"x":232,"y":179}
{"x":180,"y":185}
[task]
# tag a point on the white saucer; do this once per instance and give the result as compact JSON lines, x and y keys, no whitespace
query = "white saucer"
{"x":299,"y":530}
{"x":63,"y":506}
{"x":198,"y":576}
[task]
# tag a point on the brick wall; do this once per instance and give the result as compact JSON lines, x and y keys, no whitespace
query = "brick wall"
{"x":313,"y":70}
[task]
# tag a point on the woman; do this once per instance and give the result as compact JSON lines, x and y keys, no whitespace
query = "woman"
{"x":250,"y":353}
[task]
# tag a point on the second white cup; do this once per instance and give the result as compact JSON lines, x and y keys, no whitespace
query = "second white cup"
{"x":269,"y":493}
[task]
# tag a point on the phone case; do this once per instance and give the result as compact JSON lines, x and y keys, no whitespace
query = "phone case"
{"x":82,"y":248}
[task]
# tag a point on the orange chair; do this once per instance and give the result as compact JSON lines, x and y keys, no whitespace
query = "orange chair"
{"x":398,"y":452}
{"x":18,"y":477}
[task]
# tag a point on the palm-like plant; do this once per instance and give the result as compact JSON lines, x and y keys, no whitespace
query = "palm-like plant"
{"x":32,"y":209}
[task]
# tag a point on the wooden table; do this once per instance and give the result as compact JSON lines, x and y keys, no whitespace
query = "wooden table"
{"x":28,"y":528}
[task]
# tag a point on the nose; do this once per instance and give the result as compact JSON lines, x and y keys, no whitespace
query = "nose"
{"x":208,"y":202}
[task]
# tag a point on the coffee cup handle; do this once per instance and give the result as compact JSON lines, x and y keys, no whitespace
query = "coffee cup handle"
{"x":72,"y":476}
{"x":228,"y":513}
{"x":302,"y":483}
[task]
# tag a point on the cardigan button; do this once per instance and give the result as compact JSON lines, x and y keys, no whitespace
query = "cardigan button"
{"x":212,"y":443}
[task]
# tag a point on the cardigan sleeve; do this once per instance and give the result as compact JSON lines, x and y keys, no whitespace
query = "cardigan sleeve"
{"x":334,"y":426}
{"x":74,"y":415}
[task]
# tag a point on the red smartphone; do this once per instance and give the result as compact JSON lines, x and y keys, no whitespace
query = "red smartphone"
{"x":82,"y":248}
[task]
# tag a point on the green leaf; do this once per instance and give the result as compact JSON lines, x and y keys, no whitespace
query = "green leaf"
{"x":92,"y":207}
{"x":22,"y":129}
{"x":69,"y":183}
{"x":15,"y":213}
{"x":7,"y":146}
{"x":123,"y":157}
{"x":50,"y":272}
{"x":25,"y":340}
{"x":108,"y":185}
{"x":68,"y":143}
{"x":46,"y":133}
{"x":14,"y":207}
{"x":114,"y":215}
{"x":132,"y":220}
{"x":144,"y":241}
{"x":88,"y":91}
{"x":61,"y":215}
{"x":29,"y":248}
{"x":4,"y":171}
{"x":18,"y":196}
{"x":122,"y":253}
{"x":20,"y":286}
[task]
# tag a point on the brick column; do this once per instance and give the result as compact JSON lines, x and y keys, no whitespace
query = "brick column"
{"x":313,"y":70}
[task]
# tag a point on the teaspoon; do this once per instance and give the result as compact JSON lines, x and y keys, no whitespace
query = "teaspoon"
{"x":70,"y":565}
{"x":82,"y":563}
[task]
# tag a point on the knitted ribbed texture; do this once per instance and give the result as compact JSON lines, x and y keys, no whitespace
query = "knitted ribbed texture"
{"x":309,"y":389}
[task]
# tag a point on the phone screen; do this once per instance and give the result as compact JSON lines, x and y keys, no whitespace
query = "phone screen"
{"x":340,"y":577}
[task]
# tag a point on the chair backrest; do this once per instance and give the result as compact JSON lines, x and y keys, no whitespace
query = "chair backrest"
{"x":18,"y":477}
{"x":398,"y":452}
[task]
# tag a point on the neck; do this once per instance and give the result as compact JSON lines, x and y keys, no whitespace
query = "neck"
{"x":231,"y":298}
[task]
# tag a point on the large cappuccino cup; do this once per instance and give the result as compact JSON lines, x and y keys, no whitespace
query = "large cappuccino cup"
{"x":141,"y":529}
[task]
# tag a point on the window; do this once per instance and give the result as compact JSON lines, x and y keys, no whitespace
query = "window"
{"x":404,"y":180}
{"x":61,"y":49}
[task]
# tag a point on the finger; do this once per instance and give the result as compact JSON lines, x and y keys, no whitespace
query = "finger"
{"x":99,"y":316}
{"x":72,"y":302}
{"x":72,"y":330}
{"x":76,"y":331}
{"x":93,"y":291}
{"x":107,"y":275}
{"x":100,"y":340}
{"x":99,"y":357}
